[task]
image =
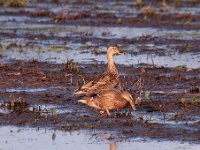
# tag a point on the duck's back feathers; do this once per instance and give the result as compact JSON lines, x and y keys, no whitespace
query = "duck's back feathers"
{"x":109,"y":79}
{"x":101,"y":82}
{"x":111,"y":99}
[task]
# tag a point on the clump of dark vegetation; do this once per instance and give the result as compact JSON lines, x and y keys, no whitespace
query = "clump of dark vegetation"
{"x":1,"y":3}
{"x":138,"y":3}
{"x":148,"y":12}
{"x":14,"y":3}
{"x":195,"y":90}
{"x":186,"y":17}
{"x":63,"y":16}
{"x":16,"y":105}
{"x":106,"y":15}
{"x":40,"y":13}
{"x":71,"y":66}
{"x":177,"y":3}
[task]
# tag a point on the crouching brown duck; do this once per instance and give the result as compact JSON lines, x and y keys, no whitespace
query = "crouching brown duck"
{"x":107,"y":80}
{"x":109,"y":100}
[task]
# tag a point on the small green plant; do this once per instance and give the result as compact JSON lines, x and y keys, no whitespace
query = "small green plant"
{"x":181,"y":68}
{"x":184,"y":101}
{"x":194,"y":100}
{"x":56,"y":48}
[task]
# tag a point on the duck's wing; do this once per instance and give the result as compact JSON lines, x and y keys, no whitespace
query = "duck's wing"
{"x":100,"y":82}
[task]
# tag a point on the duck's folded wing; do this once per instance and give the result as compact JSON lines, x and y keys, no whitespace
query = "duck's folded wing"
{"x":100,"y":81}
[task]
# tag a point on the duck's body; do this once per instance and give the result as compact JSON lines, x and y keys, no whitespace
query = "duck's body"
{"x":109,"y":100}
{"x":107,"y":80}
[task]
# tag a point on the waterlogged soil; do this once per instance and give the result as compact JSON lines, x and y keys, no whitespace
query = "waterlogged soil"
{"x":54,"y":31}
{"x":161,"y":65}
{"x":39,"y":94}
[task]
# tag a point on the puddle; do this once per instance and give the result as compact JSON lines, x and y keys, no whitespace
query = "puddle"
{"x":98,"y":32}
{"x":55,"y":51}
{"x":25,"y":37}
{"x":165,"y":118}
{"x":32,"y":90}
{"x":174,"y":60}
{"x":3,"y":111}
{"x":173,"y":91}
{"x":47,"y":109}
{"x":29,"y":90}
{"x":40,"y":139}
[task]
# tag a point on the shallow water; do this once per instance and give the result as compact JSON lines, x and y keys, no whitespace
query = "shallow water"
{"x":31,"y":90}
{"x":166,"y":118}
{"x":33,"y":138}
{"x":186,"y":59}
{"x":56,"y":51}
{"x":40,"y":38}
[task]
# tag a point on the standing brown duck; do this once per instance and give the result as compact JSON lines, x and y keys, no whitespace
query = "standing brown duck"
{"x":109,"y":100}
{"x":108,"y":80}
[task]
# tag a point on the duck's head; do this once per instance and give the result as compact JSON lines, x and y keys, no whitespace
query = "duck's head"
{"x":129,"y":98}
{"x":113,"y":50}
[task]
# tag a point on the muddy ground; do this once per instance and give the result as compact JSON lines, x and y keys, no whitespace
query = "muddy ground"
{"x":38,"y":41}
{"x":172,"y":94}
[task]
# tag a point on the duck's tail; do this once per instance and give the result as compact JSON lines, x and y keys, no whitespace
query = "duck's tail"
{"x":133,"y":106}
{"x":78,"y":91}
{"x":83,"y":101}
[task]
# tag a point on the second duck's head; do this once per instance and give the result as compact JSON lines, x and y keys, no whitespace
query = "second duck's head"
{"x":113,"y":50}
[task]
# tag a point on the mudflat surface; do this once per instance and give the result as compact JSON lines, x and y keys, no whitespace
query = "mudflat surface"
{"x":50,"y":48}
{"x":42,"y":96}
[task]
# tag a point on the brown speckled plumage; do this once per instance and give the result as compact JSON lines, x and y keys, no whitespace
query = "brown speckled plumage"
{"x":109,"y":100}
{"x":107,"y":80}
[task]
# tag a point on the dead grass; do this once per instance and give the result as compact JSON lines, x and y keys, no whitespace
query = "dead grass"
{"x":186,"y":17}
{"x":138,"y":3}
{"x":16,"y":105}
{"x":165,"y":6}
{"x":71,"y":66}
{"x":17,"y":3}
{"x":148,"y":12}
{"x":61,"y":16}
{"x":40,"y":13}
{"x":177,"y":3}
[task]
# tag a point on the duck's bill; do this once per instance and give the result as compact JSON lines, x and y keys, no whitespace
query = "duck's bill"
{"x":121,"y":52}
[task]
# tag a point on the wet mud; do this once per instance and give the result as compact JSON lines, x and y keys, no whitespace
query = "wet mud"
{"x":39,"y":94}
{"x":50,"y":48}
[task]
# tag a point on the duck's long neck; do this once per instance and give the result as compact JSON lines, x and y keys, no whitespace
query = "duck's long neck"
{"x":111,"y":65}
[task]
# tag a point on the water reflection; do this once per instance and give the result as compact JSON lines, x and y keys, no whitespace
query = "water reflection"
{"x":186,"y":59}
{"x":113,"y":146}
{"x":12,"y":138}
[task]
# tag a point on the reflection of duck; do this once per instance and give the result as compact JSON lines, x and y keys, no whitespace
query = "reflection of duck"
{"x":109,"y":100}
{"x":108,"y":80}
{"x":113,"y":146}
